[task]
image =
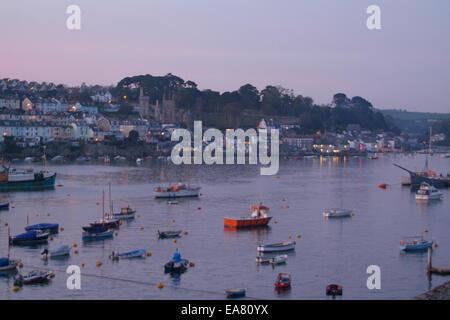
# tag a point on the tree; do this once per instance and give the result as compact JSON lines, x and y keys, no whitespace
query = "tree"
{"x":249,"y":96}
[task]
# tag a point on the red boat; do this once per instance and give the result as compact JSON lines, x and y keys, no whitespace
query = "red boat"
{"x":283,"y":281}
{"x":257,"y":218}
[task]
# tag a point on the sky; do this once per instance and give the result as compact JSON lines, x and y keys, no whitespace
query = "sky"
{"x":315,"y":47}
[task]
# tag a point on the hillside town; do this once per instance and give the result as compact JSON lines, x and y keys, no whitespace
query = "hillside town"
{"x":33,"y":115}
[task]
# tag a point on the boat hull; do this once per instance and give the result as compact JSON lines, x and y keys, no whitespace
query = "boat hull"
{"x":45,"y":183}
{"x":417,"y":180}
{"x":245,"y":222}
{"x":97,"y":236}
{"x":176,"y":194}
{"x":278,"y":247}
{"x":417,"y":247}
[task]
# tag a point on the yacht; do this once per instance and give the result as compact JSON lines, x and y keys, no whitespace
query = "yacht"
{"x":428,"y":192}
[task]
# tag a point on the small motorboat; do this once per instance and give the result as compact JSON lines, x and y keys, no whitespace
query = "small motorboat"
{"x":276,"y":247}
{"x":333,"y":290}
{"x":176,"y":265}
{"x":44,"y":227}
{"x":97,"y":233}
{"x":33,"y":277}
{"x":176,"y":191}
{"x":428,"y":192}
{"x":106,"y":222}
{"x":59,"y":251}
{"x":139,"y":161}
{"x":4,"y":206}
{"x":281,"y":259}
{"x":373,"y":157}
{"x":30,"y":237}
{"x":257,"y":218}
{"x":7,"y":264}
{"x":415,"y":244}
{"x":261,"y":260}
{"x":236,"y":293}
{"x":128,"y":255}
{"x":125,"y":213}
{"x":283,"y":281}
{"x":172,"y":202}
{"x":169,"y":234}
{"x":336,"y":213}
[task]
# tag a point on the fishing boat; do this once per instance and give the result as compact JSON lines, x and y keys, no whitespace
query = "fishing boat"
{"x":178,"y":190}
{"x":7,"y":264}
{"x":59,"y":251}
{"x":333,"y":290}
{"x":415,"y":244}
{"x":30,"y":237}
{"x":277,"y":247}
{"x":4,"y":206}
{"x":97,"y":233}
{"x":257,"y":218}
{"x":176,"y":265}
{"x":128,"y":255}
{"x":283,"y":281}
{"x":169,"y":234}
{"x":125,"y":213}
{"x":428,"y":192}
{"x":12,"y":179}
{"x":281,"y":259}
{"x":33,"y":277}
{"x":336,"y":213}
{"x":236,"y":293}
{"x":44,"y":227}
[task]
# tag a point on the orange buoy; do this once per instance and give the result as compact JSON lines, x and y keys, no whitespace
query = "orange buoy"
{"x":174,"y":240}
{"x":116,"y":234}
{"x":298,"y":236}
{"x":82,"y":265}
{"x":51,"y":275}
{"x":141,"y":228}
{"x":436,"y":245}
{"x":6,"y":224}
{"x":75,"y":251}
{"x":74,"y":245}
{"x":287,"y":207}
{"x":61,"y":229}
{"x":160,"y":285}
{"x":98,"y":264}
{"x":199,"y":208}
{"x":51,"y":238}
{"x":148,"y":254}
{"x":20,"y":265}
{"x":16,"y":288}
{"x":191,"y":264}
{"x":426,"y":230}
{"x":382,"y":186}
{"x":138,"y":216}
{"x":173,"y":220}
{"x":185,"y":233}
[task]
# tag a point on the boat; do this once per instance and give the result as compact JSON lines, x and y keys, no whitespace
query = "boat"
{"x":98,"y":234}
{"x":281,"y":259}
{"x":261,"y":260}
{"x":7,"y":264}
{"x":333,"y":290}
{"x":172,"y":202}
{"x":236,"y":293}
{"x":257,"y":218}
{"x":336,"y":212}
{"x":59,"y":251}
{"x":125,"y":213}
{"x":30,"y":237}
{"x":178,"y":190}
{"x":44,"y":227}
{"x":128,"y":255}
{"x":373,"y":157}
{"x":169,"y":234}
{"x":176,"y":265}
{"x":106,"y":159}
{"x":12,"y":179}
{"x":33,"y":277}
{"x":4,"y":206}
{"x":447,"y":155}
{"x":139,"y":161}
{"x":57,"y":158}
{"x":428,"y":192}
{"x":277,"y":247}
{"x":415,"y":244}
{"x":119,"y":158}
{"x":283,"y":281}
{"x":83,"y":159}
{"x":106,"y":222}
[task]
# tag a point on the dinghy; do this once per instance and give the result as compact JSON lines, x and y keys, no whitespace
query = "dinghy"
{"x":281,"y":259}
{"x":169,"y":234}
{"x":128,"y":255}
{"x":33,"y":277}
{"x":4,"y":206}
{"x":336,"y":213}
{"x":283,"y":246}
{"x":415,"y":244}
{"x":97,"y":233}
{"x":7,"y":264}
{"x":59,"y":251}
{"x":44,"y":227}
{"x":333,"y":290}
{"x":30,"y":237}
{"x":283,"y":281}
{"x":236,"y":293}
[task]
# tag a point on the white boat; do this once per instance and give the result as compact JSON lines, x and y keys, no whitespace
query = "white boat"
{"x":335,"y":212}
{"x":176,"y":191}
{"x":276,"y":247}
{"x":57,"y":158}
{"x":125,"y":213}
{"x":278,"y":259}
{"x":139,"y":161}
{"x":428,"y":192}
{"x":59,"y":251}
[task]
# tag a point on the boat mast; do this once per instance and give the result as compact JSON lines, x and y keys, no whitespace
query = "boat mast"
{"x":9,"y":245}
{"x":110,"y":202}
{"x":103,"y":207}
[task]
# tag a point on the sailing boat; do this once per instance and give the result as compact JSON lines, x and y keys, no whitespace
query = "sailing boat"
{"x":427,"y":175}
{"x":98,"y":231}
{"x":178,"y":190}
{"x":7,"y":264}
{"x":109,"y":221}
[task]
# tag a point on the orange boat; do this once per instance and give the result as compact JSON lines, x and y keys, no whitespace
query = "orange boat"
{"x":257,"y":218}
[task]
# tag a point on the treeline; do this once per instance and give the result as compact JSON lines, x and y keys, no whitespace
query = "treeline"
{"x":439,"y":127}
{"x":272,"y":101}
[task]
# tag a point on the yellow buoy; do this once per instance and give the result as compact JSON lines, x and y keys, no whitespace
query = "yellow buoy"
{"x":98,"y":264}
{"x":160,"y":285}
{"x":174,"y":240}
{"x":185,"y":233}
{"x":74,"y":245}
{"x":16,"y":288}
{"x":148,"y":254}
{"x":51,"y":275}
{"x":191,"y":264}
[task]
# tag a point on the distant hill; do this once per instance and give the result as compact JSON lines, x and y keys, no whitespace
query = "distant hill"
{"x":413,"y":122}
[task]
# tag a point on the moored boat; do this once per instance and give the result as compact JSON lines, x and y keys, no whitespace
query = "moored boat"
{"x":281,"y":259}
{"x":30,"y":237}
{"x":428,"y":192}
{"x":128,"y":255}
{"x":333,"y":290}
{"x":12,"y":179}
{"x":34,"y":277}
{"x":7,"y":264}
{"x":277,"y":247}
{"x":177,"y":264}
{"x":283,"y":281}
{"x":169,"y":234}
{"x":415,"y":244}
{"x":236,"y":293}
{"x":125,"y":213}
{"x":177,"y":191}
{"x":59,"y":251}
{"x":97,"y":234}
{"x":4,"y":206}
{"x":44,"y":227}
{"x":257,"y":218}
{"x":336,"y":213}
{"x":106,"y":222}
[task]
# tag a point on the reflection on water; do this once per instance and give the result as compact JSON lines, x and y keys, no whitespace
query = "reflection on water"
{"x":328,"y":251}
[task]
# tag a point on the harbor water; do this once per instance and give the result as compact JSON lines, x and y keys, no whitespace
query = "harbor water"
{"x":327,"y":251}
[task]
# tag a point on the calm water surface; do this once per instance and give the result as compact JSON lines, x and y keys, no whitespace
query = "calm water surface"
{"x":329,"y":251}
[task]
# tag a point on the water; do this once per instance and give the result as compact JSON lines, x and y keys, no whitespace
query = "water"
{"x":329,"y":251}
